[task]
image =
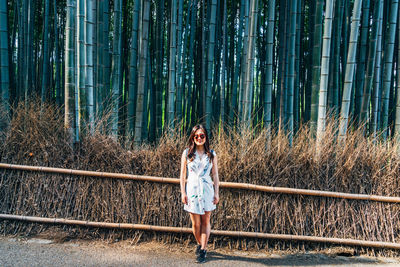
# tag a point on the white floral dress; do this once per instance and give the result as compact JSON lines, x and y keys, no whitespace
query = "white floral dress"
{"x":199,"y":185}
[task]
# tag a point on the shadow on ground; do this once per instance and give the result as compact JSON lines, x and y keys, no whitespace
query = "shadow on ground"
{"x":301,"y":259}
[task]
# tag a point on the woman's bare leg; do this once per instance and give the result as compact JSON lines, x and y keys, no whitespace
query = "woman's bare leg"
{"x":205,"y":229}
{"x":196,"y":226}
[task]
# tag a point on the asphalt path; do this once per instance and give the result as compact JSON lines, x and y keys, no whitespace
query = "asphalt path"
{"x":16,"y":251}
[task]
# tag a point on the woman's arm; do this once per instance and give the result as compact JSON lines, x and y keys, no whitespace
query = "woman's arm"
{"x":216,"y":179}
{"x":183,"y":177}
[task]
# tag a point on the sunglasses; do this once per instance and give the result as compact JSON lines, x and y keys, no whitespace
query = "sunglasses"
{"x":199,"y":136}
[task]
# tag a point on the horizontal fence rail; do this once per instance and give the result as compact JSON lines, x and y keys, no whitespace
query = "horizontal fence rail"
{"x":246,"y":186}
{"x":146,"y":227}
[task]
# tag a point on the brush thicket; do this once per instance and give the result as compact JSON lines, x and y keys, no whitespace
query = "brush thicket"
{"x":36,"y":136}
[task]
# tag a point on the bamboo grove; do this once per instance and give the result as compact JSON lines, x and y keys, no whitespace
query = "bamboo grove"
{"x":151,"y":65}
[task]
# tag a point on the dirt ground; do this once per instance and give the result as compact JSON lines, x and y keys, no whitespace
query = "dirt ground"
{"x":37,"y":251}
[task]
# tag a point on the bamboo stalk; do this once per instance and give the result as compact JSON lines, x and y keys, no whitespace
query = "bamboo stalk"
{"x":146,"y":227}
{"x":253,"y":187}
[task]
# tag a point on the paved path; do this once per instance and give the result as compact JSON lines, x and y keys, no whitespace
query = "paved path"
{"x":44,"y":252}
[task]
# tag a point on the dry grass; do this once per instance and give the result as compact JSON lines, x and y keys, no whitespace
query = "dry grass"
{"x":360,"y":166}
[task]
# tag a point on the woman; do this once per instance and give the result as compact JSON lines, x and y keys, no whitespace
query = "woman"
{"x":199,"y":194}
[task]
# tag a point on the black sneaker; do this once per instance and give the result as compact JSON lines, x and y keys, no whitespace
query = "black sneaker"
{"x":197,"y":252}
{"x":202,"y":256}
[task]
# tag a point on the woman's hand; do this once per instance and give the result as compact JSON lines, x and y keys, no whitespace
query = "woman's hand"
{"x":184,"y":198}
{"x":216,"y":198}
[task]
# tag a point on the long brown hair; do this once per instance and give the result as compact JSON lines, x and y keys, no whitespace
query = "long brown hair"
{"x":192,"y":144}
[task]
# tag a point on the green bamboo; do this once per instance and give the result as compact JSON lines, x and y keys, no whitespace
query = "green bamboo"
{"x":202,"y":100}
{"x":99,"y":88}
{"x":243,"y":63}
{"x":291,"y":68}
{"x":323,"y":89}
{"x":397,"y":118}
{"x":345,"y":36}
{"x":133,"y":70}
{"x":349,"y":76}
{"x":89,"y":79}
{"x":217,"y":64}
{"x":172,"y":66}
{"x":13,"y":51}
{"x":369,"y":74}
{"x":298,"y":58}
{"x":147,"y":90}
{"x":336,"y":72}
{"x":377,"y":79}
{"x":4,"y":58}
{"x":116,"y":67}
{"x":269,"y":71}
{"x":360,"y":72}
{"x":69,"y":102}
{"x":285,"y":92}
{"x":223,"y":65}
{"x":281,"y":59}
{"x":316,"y":64}
{"x":27,"y":40}
{"x":308,"y":67}
{"x":210,"y":61}
{"x":249,"y":81}
{"x":388,"y":65}
{"x":144,"y":36}
{"x":215,"y":91}
{"x":179,"y":66}
{"x":33,"y":73}
{"x":234,"y":100}
{"x":183,"y":62}
{"x":190,"y":62}
{"x":159,"y":65}
{"x":95,"y":44}
{"x":57,"y":56}
{"x":21,"y":50}
{"x":106,"y":53}
{"x":81,"y":107}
